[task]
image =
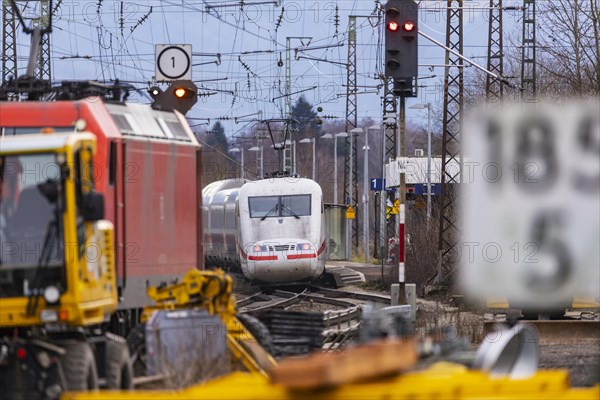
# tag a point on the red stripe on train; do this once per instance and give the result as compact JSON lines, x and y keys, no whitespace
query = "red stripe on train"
{"x":298,"y":256}
{"x":321,"y":249}
{"x":262,"y":258}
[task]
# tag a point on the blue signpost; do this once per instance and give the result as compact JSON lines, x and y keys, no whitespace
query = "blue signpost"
{"x":378,"y":184}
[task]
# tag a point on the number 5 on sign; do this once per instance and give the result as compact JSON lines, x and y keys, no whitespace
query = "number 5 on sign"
{"x":531,"y":204}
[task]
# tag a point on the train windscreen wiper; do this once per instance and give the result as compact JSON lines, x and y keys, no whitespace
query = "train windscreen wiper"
{"x":270,"y":211}
{"x":284,"y":207}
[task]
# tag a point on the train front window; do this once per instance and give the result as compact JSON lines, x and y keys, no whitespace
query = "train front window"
{"x":295,"y":206}
{"x":264,"y":206}
{"x":279,"y":206}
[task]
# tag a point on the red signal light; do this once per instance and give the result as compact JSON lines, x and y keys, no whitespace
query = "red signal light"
{"x":393,"y":26}
{"x":409,"y":26}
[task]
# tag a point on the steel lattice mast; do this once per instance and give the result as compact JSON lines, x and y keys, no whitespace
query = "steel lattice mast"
{"x":9,"y":43}
{"x":44,"y":69}
{"x":350,"y":155}
{"x":494,"y":88}
{"x":287,"y":150}
{"x":528,"y":59}
{"x":390,"y":148}
{"x":452,"y":121}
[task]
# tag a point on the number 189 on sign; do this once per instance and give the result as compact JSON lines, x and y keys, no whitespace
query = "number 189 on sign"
{"x":531,"y":204}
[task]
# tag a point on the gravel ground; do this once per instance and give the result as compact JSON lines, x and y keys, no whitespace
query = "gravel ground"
{"x":313,"y":307}
{"x":582,"y":359}
{"x":241,"y":287}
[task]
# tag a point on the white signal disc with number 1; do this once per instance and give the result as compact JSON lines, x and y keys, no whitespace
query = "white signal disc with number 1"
{"x":173,"y":62}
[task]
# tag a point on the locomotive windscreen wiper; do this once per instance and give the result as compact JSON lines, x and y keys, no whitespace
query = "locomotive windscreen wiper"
{"x":270,"y":211}
{"x":284,"y":207}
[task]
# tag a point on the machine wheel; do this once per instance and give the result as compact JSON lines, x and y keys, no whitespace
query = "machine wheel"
{"x":119,"y":371}
{"x":258,"y":330}
{"x":136,"y":341}
{"x":79,"y":367}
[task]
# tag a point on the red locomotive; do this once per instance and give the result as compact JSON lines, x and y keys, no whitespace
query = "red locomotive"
{"x":148,"y":169}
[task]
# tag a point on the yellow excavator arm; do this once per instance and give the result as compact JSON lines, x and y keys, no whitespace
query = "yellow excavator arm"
{"x":213,"y":291}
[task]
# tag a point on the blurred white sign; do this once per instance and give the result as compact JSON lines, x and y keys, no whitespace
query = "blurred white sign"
{"x":393,"y":169}
{"x":530,"y":204}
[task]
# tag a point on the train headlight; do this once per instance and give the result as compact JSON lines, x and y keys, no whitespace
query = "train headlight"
{"x":51,"y":294}
{"x":303,"y":246}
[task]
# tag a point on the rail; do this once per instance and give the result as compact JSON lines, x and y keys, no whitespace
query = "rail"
{"x":340,"y":326}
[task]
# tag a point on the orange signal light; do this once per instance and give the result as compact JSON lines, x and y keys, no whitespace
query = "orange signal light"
{"x":409,"y":26}
{"x":393,"y":26}
{"x":180,"y":92}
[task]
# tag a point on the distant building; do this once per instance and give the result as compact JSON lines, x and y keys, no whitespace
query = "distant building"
{"x":416,"y":175}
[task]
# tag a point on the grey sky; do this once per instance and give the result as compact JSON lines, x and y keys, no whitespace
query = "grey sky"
{"x":90,"y":42}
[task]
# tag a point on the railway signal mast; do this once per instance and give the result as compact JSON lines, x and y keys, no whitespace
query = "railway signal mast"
{"x":401,"y":64}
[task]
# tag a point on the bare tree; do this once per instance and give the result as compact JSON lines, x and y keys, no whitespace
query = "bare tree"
{"x":568,"y":55}
{"x":569,"y":46}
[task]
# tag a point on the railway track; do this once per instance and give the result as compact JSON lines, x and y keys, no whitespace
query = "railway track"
{"x":295,"y":294}
{"x":339,"y":323}
{"x":272,"y":298}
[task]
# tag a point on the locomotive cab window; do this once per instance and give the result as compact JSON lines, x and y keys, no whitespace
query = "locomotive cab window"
{"x":263,"y":206}
{"x":292,"y":206}
{"x":279,"y":206}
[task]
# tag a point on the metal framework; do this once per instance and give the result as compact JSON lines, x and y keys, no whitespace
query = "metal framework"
{"x":260,"y":162}
{"x":528,"y":60}
{"x":389,"y":148}
{"x":350,"y":155}
{"x":453,"y":111}
{"x":9,"y":43}
{"x":287,"y":152}
{"x":494,"y":88}
{"x":44,"y":70}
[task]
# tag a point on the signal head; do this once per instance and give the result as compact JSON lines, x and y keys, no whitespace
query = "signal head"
{"x":154,"y":91}
{"x":181,"y":96}
{"x":392,"y":13}
{"x":401,"y":40}
{"x":183,"y":93}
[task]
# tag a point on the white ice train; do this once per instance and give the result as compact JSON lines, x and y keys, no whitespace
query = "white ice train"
{"x":273,"y":229}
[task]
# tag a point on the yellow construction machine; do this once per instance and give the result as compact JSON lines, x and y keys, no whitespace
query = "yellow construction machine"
{"x":57,"y":270}
{"x":211,"y":291}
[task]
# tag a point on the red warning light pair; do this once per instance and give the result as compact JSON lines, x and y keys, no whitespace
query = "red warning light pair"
{"x":409,"y":26}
